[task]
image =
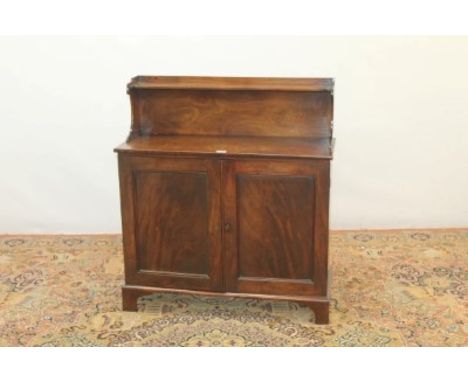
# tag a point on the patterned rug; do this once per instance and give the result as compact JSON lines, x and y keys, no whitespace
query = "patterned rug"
{"x":388,"y":288}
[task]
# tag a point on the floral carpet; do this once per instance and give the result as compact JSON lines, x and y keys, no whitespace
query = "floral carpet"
{"x":388,"y":288}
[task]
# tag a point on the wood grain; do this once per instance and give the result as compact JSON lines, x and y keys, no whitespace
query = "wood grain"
{"x":225,"y":188}
{"x":172,"y":214}
{"x":275,"y":225}
{"x":232,"y":146}
{"x":245,"y":113}
{"x":171,"y":222}
{"x":275,"y":244}
{"x":231,"y":83}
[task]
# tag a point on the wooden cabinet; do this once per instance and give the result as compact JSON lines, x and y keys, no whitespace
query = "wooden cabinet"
{"x":225,"y":188}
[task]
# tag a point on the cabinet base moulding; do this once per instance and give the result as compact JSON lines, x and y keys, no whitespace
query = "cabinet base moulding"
{"x":319,"y":305}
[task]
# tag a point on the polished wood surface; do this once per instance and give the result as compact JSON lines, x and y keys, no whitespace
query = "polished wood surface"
{"x":274,"y":244}
{"x":275,"y":226}
{"x":225,"y":188}
{"x":172,"y":211}
{"x":231,"y":83}
{"x":171,"y":222}
{"x":232,"y":146}
{"x":240,"y":113}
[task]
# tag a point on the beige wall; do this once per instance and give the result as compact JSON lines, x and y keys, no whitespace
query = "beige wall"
{"x":401,"y":122}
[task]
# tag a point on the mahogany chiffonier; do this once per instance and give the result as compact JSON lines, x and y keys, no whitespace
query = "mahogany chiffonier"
{"x":224,"y":186}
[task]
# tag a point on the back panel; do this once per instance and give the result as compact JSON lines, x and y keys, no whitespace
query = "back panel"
{"x":221,"y":106}
{"x":233,"y":112}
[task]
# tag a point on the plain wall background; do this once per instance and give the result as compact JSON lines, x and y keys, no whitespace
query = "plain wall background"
{"x":401,"y":122}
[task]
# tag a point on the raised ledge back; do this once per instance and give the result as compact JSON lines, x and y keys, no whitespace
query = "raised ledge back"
{"x":231,"y":106}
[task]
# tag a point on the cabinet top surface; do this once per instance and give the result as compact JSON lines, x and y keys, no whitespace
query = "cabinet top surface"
{"x":231,"y":83}
{"x":272,"y":147}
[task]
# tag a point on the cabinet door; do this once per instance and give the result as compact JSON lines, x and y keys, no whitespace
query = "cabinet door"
{"x":171,"y":222}
{"x":276,"y":226}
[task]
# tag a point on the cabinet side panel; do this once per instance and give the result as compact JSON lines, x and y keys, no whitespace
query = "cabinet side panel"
{"x":322,"y":227}
{"x":127,"y":212}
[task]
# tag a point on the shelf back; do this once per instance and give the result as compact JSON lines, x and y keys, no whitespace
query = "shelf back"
{"x":231,"y":106}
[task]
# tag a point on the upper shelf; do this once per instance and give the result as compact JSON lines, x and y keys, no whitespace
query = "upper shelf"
{"x":231,"y":83}
{"x":230,"y":146}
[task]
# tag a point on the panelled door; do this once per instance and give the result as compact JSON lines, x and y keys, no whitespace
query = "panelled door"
{"x":275,"y":219}
{"x":172,"y":227}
